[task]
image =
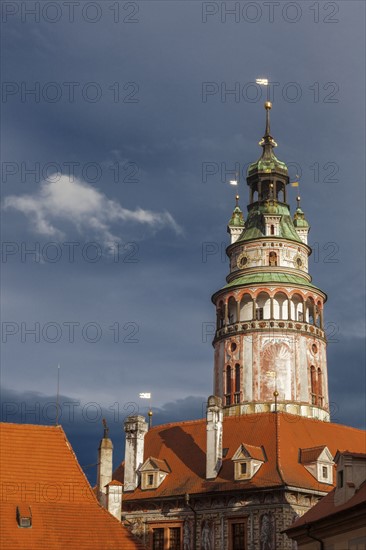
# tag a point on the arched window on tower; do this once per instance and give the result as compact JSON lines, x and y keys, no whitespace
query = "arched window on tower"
{"x":220,"y":316}
{"x":310,"y":307}
{"x":228,"y":386}
{"x":272,"y":229}
{"x":237,"y":384}
{"x":320,"y":388}
{"x":313,"y":385}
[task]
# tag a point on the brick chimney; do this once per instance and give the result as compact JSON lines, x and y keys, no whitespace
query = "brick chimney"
{"x":105,"y":466}
{"x":214,"y":436}
{"x":135,"y":428}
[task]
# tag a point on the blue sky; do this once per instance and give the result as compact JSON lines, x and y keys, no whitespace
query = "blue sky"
{"x":115,"y":170}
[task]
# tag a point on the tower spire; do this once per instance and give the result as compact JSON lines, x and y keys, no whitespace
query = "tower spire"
{"x":267,"y":142}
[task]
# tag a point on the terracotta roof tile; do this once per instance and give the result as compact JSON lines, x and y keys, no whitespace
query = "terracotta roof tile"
{"x":39,"y":469}
{"x":183,"y":446}
{"x":311,"y":455}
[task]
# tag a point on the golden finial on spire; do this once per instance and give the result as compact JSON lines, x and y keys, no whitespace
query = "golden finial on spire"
{"x":268,"y":107}
{"x":298,"y":199}
{"x":237,"y":200}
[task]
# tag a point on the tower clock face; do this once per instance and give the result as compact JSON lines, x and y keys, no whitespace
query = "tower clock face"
{"x":242,"y":260}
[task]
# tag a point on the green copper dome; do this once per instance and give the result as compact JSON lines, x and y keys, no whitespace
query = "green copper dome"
{"x":255,"y":224}
{"x":267,"y":163}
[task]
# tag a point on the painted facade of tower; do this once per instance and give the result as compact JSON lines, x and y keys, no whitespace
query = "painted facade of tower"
{"x":270,"y":345}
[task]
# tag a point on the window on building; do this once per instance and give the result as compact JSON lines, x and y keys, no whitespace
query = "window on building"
{"x":272,"y":230}
{"x":168,"y":537}
{"x":228,"y":386}
{"x":228,"y":379}
{"x":313,"y":385}
{"x":150,"y":479}
{"x":325,"y":472}
{"x":320,"y":388}
{"x":237,"y":534}
{"x":174,"y":538}
{"x":237,"y":378}
{"x":340,"y":479}
{"x":243,"y":468}
{"x":259,"y":313}
{"x":158,"y":539}
{"x":272,"y":259}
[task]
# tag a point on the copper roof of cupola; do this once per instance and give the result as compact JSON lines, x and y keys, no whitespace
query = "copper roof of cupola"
{"x":299,"y":216}
{"x":237,"y":218}
{"x":268,"y":162}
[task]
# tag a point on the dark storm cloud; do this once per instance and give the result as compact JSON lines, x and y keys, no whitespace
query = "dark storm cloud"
{"x":163,"y":145}
{"x":82,"y":420}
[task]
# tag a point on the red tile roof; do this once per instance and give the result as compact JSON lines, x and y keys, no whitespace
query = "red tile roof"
{"x":39,"y":470}
{"x":183,"y":446}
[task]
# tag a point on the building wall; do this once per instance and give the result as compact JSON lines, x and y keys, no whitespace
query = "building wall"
{"x":272,"y":360}
{"x":264,"y":513}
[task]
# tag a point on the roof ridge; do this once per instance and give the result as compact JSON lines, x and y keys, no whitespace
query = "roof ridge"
{"x":312,"y":448}
{"x":185,"y":422}
{"x":20,"y":424}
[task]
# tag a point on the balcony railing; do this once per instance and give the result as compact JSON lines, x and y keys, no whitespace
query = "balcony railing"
{"x":268,"y":325}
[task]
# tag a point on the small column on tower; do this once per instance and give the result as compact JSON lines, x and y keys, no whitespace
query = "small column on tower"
{"x":236,"y":223}
{"x":301,"y":225}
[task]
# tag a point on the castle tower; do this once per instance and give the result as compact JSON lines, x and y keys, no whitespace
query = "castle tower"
{"x":270,"y":345}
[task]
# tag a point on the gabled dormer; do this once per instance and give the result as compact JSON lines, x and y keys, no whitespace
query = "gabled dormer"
{"x":319,"y":462}
{"x":247,"y":461}
{"x":153,"y":472}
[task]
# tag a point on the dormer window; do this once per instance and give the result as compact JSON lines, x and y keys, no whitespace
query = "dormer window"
{"x":319,"y":462}
{"x":24,"y":517}
{"x":247,"y":461}
{"x":153,"y":472}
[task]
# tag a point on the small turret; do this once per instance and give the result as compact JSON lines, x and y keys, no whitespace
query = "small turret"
{"x":236,"y":222}
{"x":301,"y":224}
{"x":105,"y":465}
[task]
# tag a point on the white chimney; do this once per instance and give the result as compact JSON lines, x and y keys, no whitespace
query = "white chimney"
{"x":105,"y":466}
{"x":135,"y":428}
{"x":114,"y":499}
{"x":214,"y":437}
